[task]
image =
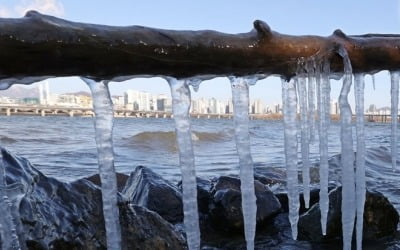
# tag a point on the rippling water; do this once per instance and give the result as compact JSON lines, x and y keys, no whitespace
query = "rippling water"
{"x":64,"y":147}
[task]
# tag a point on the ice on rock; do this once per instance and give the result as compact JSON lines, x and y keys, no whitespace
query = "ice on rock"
{"x":323,"y":96}
{"x":394,"y":93}
{"x":240,"y":98}
{"x":360,"y":156}
{"x":8,"y":228}
{"x":305,"y":141}
{"x":289,"y":104}
{"x":181,"y":102}
{"x":347,"y":156}
{"x":103,"y":124}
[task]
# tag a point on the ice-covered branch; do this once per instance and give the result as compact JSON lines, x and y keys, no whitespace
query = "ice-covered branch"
{"x":44,"y":46}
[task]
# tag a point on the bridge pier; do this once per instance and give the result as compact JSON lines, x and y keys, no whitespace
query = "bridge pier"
{"x":43,"y":113}
{"x":8,"y":111}
{"x":71,"y":113}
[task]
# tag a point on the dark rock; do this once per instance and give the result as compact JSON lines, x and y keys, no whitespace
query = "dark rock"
{"x":380,"y":218}
{"x":121,"y":180}
{"x":226,"y":207}
{"x":203,"y":193}
{"x":58,"y":215}
{"x":147,"y":189}
{"x":271,"y":177}
{"x":314,"y":198}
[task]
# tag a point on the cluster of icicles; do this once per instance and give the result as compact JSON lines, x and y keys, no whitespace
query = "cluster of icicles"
{"x":311,"y":83}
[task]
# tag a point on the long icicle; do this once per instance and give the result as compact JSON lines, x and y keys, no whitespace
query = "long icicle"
{"x":347,"y":155}
{"x":305,"y":141}
{"x":289,"y":104}
{"x":240,"y":99}
{"x":394,"y":93}
{"x":103,"y":123}
{"x":311,"y":105}
{"x":360,"y":157}
{"x":323,"y":93}
{"x":181,"y":101}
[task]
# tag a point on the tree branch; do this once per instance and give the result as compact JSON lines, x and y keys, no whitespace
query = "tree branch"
{"x":44,"y":46}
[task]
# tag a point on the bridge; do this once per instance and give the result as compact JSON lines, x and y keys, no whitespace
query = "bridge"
{"x":46,"y":110}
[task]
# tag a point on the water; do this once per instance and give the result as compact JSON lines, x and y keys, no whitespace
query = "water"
{"x":64,"y":147}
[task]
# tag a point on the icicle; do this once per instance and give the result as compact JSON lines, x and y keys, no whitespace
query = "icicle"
{"x":240,"y":98}
{"x":181,"y":101}
{"x":323,"y":94}
{"x":289,"y":104}
{"x":311,"y":106}
{"x":347,"y":155}
{"x":103,"y":110}
{"x":394,"y":92}
{"x":360,"y":159}
{"x":195,"y":83}
{"x":305,"y":142}
{"x":373,"y":81}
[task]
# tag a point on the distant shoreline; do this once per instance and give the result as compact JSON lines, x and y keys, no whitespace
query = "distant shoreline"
{"x":43,"y":111}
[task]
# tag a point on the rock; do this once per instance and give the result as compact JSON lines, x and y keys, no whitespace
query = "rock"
{"x":147,"y":189}
{"x":203,"y":194}
{"x":380,"y":218}
{"x":121,"y":180}
{"x":314,"y":198}
{"x":226,"y":207}
{"x":58,"y":215}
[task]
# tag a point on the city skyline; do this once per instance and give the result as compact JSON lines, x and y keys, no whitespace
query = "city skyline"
{"x":136,"y":100}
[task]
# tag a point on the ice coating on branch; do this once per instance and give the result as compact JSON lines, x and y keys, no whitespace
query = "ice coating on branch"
{"x":360,"y":156}
{"x":305,"y":141}
{"x":323,"y":96}
{"x":240,"y":99}
{"x":289,"y":104}
{"x":394,"y":93}
{"x":347,"y":156}
{"x":103,"y":124}
{"x":181,"y":102}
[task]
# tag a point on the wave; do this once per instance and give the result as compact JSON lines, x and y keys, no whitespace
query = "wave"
{"x":7,"y":140}
{"x":166,"y":140}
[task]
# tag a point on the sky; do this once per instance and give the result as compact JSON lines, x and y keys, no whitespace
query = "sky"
{"x":307,"y":17}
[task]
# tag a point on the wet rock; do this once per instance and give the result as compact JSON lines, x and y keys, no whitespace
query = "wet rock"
{"x":380,"y":218}
{"x":121,"y":180}
{"x":147,"y":189}
{"x":226,"y":207}
{"x":58,"y":215}
{"x":203,"y":194}
{"x":314,"y":198}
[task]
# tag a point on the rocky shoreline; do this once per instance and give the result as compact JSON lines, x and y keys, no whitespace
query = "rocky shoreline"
{"x":59,"y":215}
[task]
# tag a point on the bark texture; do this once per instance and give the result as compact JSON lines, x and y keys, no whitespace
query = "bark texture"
{"x":44,"y":46}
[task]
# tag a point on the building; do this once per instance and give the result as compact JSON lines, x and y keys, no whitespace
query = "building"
{"x":334,"y":108}
{"x":258,"y":107}
{"x":164,"y":103}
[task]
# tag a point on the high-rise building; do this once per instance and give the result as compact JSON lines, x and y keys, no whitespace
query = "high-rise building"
{"x":334,"y":108}
{"x":258,"y":107}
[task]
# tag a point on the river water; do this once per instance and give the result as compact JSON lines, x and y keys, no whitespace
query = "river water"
{"x":64,"y":147}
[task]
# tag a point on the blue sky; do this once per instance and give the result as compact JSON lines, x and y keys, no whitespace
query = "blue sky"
{"x":285,"y":16}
